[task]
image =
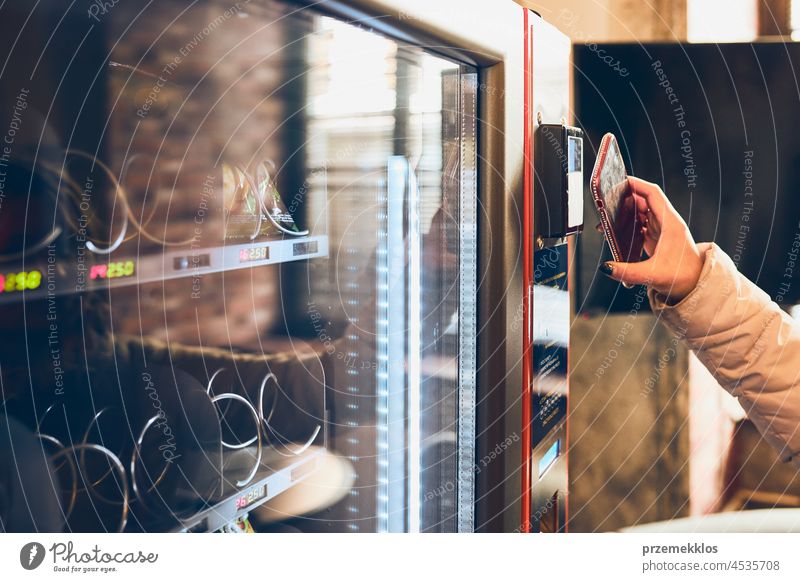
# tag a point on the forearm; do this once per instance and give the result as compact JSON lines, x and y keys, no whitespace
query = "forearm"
{"x":747,"y":342}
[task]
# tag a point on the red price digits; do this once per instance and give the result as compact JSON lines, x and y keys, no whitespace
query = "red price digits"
{"x":112,"y":270}
{"x":253,"y":254}
{"x":98,"y":272}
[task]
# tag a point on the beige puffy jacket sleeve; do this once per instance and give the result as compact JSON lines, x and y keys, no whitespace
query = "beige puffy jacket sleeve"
{"x":747,"y":342}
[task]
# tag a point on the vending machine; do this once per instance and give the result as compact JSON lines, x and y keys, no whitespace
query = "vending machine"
{"x":284,"y":265}
{"x":554,"y":216}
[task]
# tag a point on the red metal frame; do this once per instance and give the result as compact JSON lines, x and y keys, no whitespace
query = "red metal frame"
{"x":527,"y":268}
{"x":570,"y":286}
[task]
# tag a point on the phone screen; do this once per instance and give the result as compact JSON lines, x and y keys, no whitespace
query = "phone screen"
{"x":620,"y":205}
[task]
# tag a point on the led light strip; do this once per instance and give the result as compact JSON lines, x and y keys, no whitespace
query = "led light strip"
{"x":468,"y":292}
{"x":414,"y":355}
{"x":382,"y":361}
{"x":396,"y":416}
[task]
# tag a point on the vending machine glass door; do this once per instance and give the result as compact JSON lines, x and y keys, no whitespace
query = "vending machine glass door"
{"x":237,"y":271}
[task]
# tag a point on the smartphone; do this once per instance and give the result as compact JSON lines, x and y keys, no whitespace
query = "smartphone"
{"x":616,"y":204}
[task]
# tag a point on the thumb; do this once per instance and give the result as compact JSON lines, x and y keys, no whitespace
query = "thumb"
{"x":640,"y":273}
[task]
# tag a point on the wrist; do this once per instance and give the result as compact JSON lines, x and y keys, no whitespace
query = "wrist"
{"x":690,"y":270}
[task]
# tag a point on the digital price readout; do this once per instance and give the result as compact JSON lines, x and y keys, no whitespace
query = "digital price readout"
{"x":255,"y":494}
{"x":253,"y":254}
{"x":22,"y":281}
{"x":112,"y":270}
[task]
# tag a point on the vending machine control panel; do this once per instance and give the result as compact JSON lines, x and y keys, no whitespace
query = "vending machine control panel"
{"x":558,"y":180}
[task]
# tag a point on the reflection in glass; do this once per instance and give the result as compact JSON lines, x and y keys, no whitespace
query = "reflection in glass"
{"x":280,"y":206}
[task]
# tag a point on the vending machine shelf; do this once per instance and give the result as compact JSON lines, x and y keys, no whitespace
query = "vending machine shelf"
{"x":276,"y":474}
{"x":52,"y":277}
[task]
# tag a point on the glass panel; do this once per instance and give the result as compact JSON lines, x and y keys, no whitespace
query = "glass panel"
{"x":238,"y":253}
{"x":386,"y":125}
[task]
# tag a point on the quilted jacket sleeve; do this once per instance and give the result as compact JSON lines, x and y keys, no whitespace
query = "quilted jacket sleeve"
{"x":747,"y":342}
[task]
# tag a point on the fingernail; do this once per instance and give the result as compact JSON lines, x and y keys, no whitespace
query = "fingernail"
{"x":607,"y":269}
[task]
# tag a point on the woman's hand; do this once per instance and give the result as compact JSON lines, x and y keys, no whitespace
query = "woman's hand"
{"x":675,"y":262}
